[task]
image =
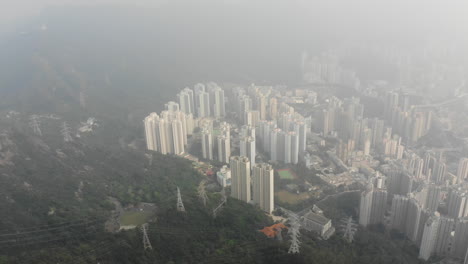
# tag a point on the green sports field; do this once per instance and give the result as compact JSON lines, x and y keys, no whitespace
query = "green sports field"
{"x":135,"y":218}
{"x":286,"y":174}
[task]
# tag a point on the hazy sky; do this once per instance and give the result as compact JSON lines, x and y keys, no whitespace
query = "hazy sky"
{"x":427,"y":11}
{"x":12,"y":10}
{"x":428,"y":17}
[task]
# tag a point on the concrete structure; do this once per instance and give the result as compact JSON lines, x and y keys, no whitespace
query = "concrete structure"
{"x":219,"y":106}
{"x":429,"y":237}
{"x":247,"y":149}
{"x":316,"y":222}
{"x":263,"y":186}
{"x":462,"y":172}
{"x":203,"y":104}
{"x":466,"y":257}
{"x":186,"y":101}
{"x":207,"y":144}
{"x":460,"y":240}
{"x":444,"y":236}
{"x":223,"y":176}
{"x":166,"y":133}
{"x":372,"y":206}
{"x":457,"y":202}
{"x":224,"y":148}
{"x":300,"y":128}
{"x":399,"y":212}
{"x":413,"y":219}
{"x":240,"y":178}
{"x":247,"y":131}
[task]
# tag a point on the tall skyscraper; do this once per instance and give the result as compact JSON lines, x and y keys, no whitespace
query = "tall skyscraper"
{"x":203,"y":103}
{"x":444,"y":236}
{"x":372,"y":206}
{"x":178,"y":136}
{"x":186,"y":101}
{"x":262,"y":106}
{"x":434,"y":196}
{"x":457,"y":202}
{"x":399,"y":182}
{"x":273,"y":112}
{"x":399,"y":212}
{"x":300,"y":128}
{"x":219,"y":106}
{"x":248,"y":131}
{"x":429,"y":237}
{"x":150,"y":131}
{"x":466,"y":257}
{"x":207,"y":144}
{"x":224,"y":148}
{"x":274,"y":148}
{"x":285,"y":146}
{"x":240,"y":178}
{"x":460,"y":240}
{"x":247,"y":149}
{"x":294,"y":147}
{"x":252,"y":117}
{"x":172,"y":106}
{"x":413,"y":220}
{"x":166,"y":133}
{"x":462,"y":172}
{"x":263,"y":182}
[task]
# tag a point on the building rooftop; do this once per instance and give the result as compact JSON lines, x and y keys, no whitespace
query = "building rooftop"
{"x":311,"y":216}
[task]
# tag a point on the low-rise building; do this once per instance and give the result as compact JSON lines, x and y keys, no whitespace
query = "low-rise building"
{"x":318,"y":223}
{"x":224,"y":176}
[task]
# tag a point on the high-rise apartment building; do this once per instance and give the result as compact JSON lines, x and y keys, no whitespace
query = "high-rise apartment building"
{"x":166,"y":133}
{"x":372,"y":206}
{"x":457,"y":202}
{"x":460,"y":240}
{"x":240,"y":178}
{"x":444,"y":236}
{"x":186,"y":101}
{"x":247,"y":149}
{"x":429,"y":237}
{"x":207,"y":144}
{"x":399,"y":212}
{"x":263,"y":186}
{"x":224,"y":148}
{"x":300,"y":127}
{"x":219,"y":106}
{"x":462,"y":172}
{"x":466,"y":257}
{"x":203,"y":104}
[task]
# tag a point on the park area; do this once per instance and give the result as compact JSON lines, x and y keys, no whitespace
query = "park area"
{"x":291,"y":198}
{"x":287,"y":174}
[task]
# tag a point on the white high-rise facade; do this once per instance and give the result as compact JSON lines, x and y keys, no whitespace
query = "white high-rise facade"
{"x":372,"y":206}
{"x":166,"y":133}
{"x":429,"y":237}
{"x":247,"y":149}
{"x":457,"y":202}
{"x":207,"y":144}
{"x":186,"y":101}
{"x":150,"y":131}
{"x":240,"y":178}
{"x":203,"y":104}
{"x":460,"y":240}
{"x":219,"y":106}
{"x":224,"y":148}
{"x":263,"y":190}
{"x":462,"y":172}
{"x":300,"y":128}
